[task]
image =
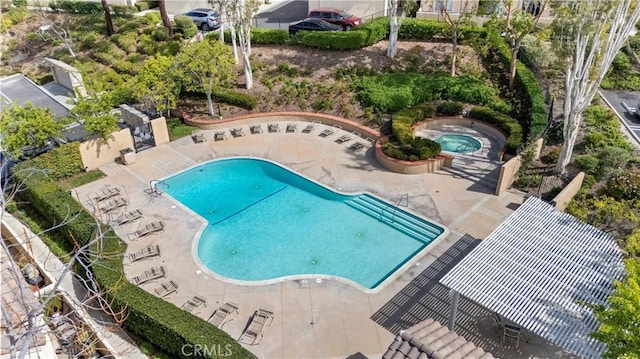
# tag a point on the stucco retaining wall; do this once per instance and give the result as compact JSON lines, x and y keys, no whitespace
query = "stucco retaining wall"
{"x":410,"y":167}
{"x":568,"y":192}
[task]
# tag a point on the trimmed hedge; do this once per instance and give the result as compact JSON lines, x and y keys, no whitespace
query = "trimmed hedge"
{"x":429,"y":30}
{"x":76,"y":7}
{"x":61,"y":162}
{"x":403,"y":145}
{"x":365,"y":35}
{"x":239,"y":99}
{"x":161,"y":323}
{"x":185,"y":26}
{"x":534,"y":113}
{"x":260,"y":36}
{"x":509,"y":125}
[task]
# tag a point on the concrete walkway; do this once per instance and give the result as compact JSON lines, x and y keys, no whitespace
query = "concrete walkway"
{"x":313,"y":318}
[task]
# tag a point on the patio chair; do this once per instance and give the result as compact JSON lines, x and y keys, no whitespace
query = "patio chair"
{"x":149,"y":275}
{"x":511,"y":332}
{"x":106,"y":194}
{"x":343,"y":139}
{"x":274,"y":127}
{"x":254,"y":333}
{"x":326,"y":133}
{"x":291,"y":127}
{"x":130,"y":217}
{"x":166,"y":288}
{"x":255,"y":128}
{"x":356,"y":134}
{"x":308,"y":128}
{"x":113,"y":205}
{"x":194,"y":303}
{"x":219,"y":135}
{"x":356,"y":146}
{"x":198,"y":137}
{"x":150,"y":228}
{"x":146,"y":252}
{"x":237,"y":132}
{"x":227,"y":312}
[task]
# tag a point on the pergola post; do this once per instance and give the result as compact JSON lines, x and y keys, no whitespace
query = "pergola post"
{"x":455,"y":296}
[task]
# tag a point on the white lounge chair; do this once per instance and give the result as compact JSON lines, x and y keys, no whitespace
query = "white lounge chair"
{"x":198,"y":136}
{"x":255,"y":128}
{"x":148,"y":229}
{"x":274,"y":127}
{"x":194,"y":303}
{"x":130,"y":217}
{"x":356,"y":146}
{"x":107,"y":193}
{"x":326,"y":133}
{"x":308,"y":128}
{"x":219,"y":135}
{"x":291,"y":127}
{"x":237,"y":132}
{"x":254,"y":333}
{"x":166,"y":288}
{"x":149,"y":275}
{"x":146,"y":252}
{"x":343,"y":139}
{"x":227,"y":312}
{"x":113,"y":205}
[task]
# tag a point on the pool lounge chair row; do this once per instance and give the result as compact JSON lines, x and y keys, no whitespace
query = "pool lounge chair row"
{"x":149,"y":275}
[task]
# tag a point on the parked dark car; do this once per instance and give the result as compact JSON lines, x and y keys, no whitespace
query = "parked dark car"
{"x":335,"y":16}
{"x":312,"y":25}
{"x":205,"y":19}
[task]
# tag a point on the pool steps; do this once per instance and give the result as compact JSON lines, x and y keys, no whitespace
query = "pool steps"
{"x":396,"y":217}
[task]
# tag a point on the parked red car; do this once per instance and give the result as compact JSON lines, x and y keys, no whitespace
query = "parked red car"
{"x":335,"y":16}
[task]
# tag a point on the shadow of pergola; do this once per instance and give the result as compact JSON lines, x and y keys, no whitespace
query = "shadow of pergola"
{"x":424,"y":297}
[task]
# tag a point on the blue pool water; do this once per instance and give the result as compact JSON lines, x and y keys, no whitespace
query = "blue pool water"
{"x":458,"y":143}
{"x":266,"y":222}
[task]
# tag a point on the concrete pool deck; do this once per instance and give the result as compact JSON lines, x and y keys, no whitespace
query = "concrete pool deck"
{"x":313,"y":319}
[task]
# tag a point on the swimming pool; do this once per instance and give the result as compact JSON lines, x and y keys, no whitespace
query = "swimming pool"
{"x":458,"y":143}
{"x":266,"y":223}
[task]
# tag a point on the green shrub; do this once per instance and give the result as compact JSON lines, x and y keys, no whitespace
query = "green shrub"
{"x":160,"y":33}
{"x":449,"y":108}
{"x":510,"y":126}
{"x":588,"y":182}
{"x":61,"y":162}
{"x":588,"y":163}
{"x":142,"y":5}
{"x":623,"y":185}
{"x":234,"y":98}
{"x":186,"y":26}
{"x":126,"y":41}
{"x":595,"y":140}
{"x":365,"y":35}
{"x":388,"y":93}
{"x":262,"y":36}
{"x":529,"y":180}
{"x":88,"y":40}
{"x":123,"y":10}
{"x":612,"y":158}
{"x":551,"y":157}
{"x":77,"y":7}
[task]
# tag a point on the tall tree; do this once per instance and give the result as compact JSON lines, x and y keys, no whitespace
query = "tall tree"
{"x":107,"y":17}
{"x":26,"y":126}
{"x":515,"y":24}
{"x":206,"y":66}
{"x":620,"y":321}
{"x":158,"y":83}
{"x":96,"y":114}
{"x":590,"y":33}
{"x":398,"y":10}
{"x":454,"y":25}
{"x":241,"y":12}
{"x":165,"y":17}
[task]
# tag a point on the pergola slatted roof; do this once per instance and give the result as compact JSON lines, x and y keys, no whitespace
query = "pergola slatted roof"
{"x":535,"y":267}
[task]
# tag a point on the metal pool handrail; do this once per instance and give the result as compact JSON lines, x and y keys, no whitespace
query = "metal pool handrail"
{"x":395,"y":208}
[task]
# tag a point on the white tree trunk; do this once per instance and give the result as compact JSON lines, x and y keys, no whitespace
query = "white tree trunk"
{"x":593,"y":52}
{"x":232,"y":27}
{"x":221,"y":32}
{"x":394,"y":27}
{"x":209,"y":104}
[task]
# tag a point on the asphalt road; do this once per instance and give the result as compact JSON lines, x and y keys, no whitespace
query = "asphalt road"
{"x":631,"y":99}
{"x":280,"y":15}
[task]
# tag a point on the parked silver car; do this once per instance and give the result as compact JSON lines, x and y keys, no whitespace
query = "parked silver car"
{"x":205,"y":19}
